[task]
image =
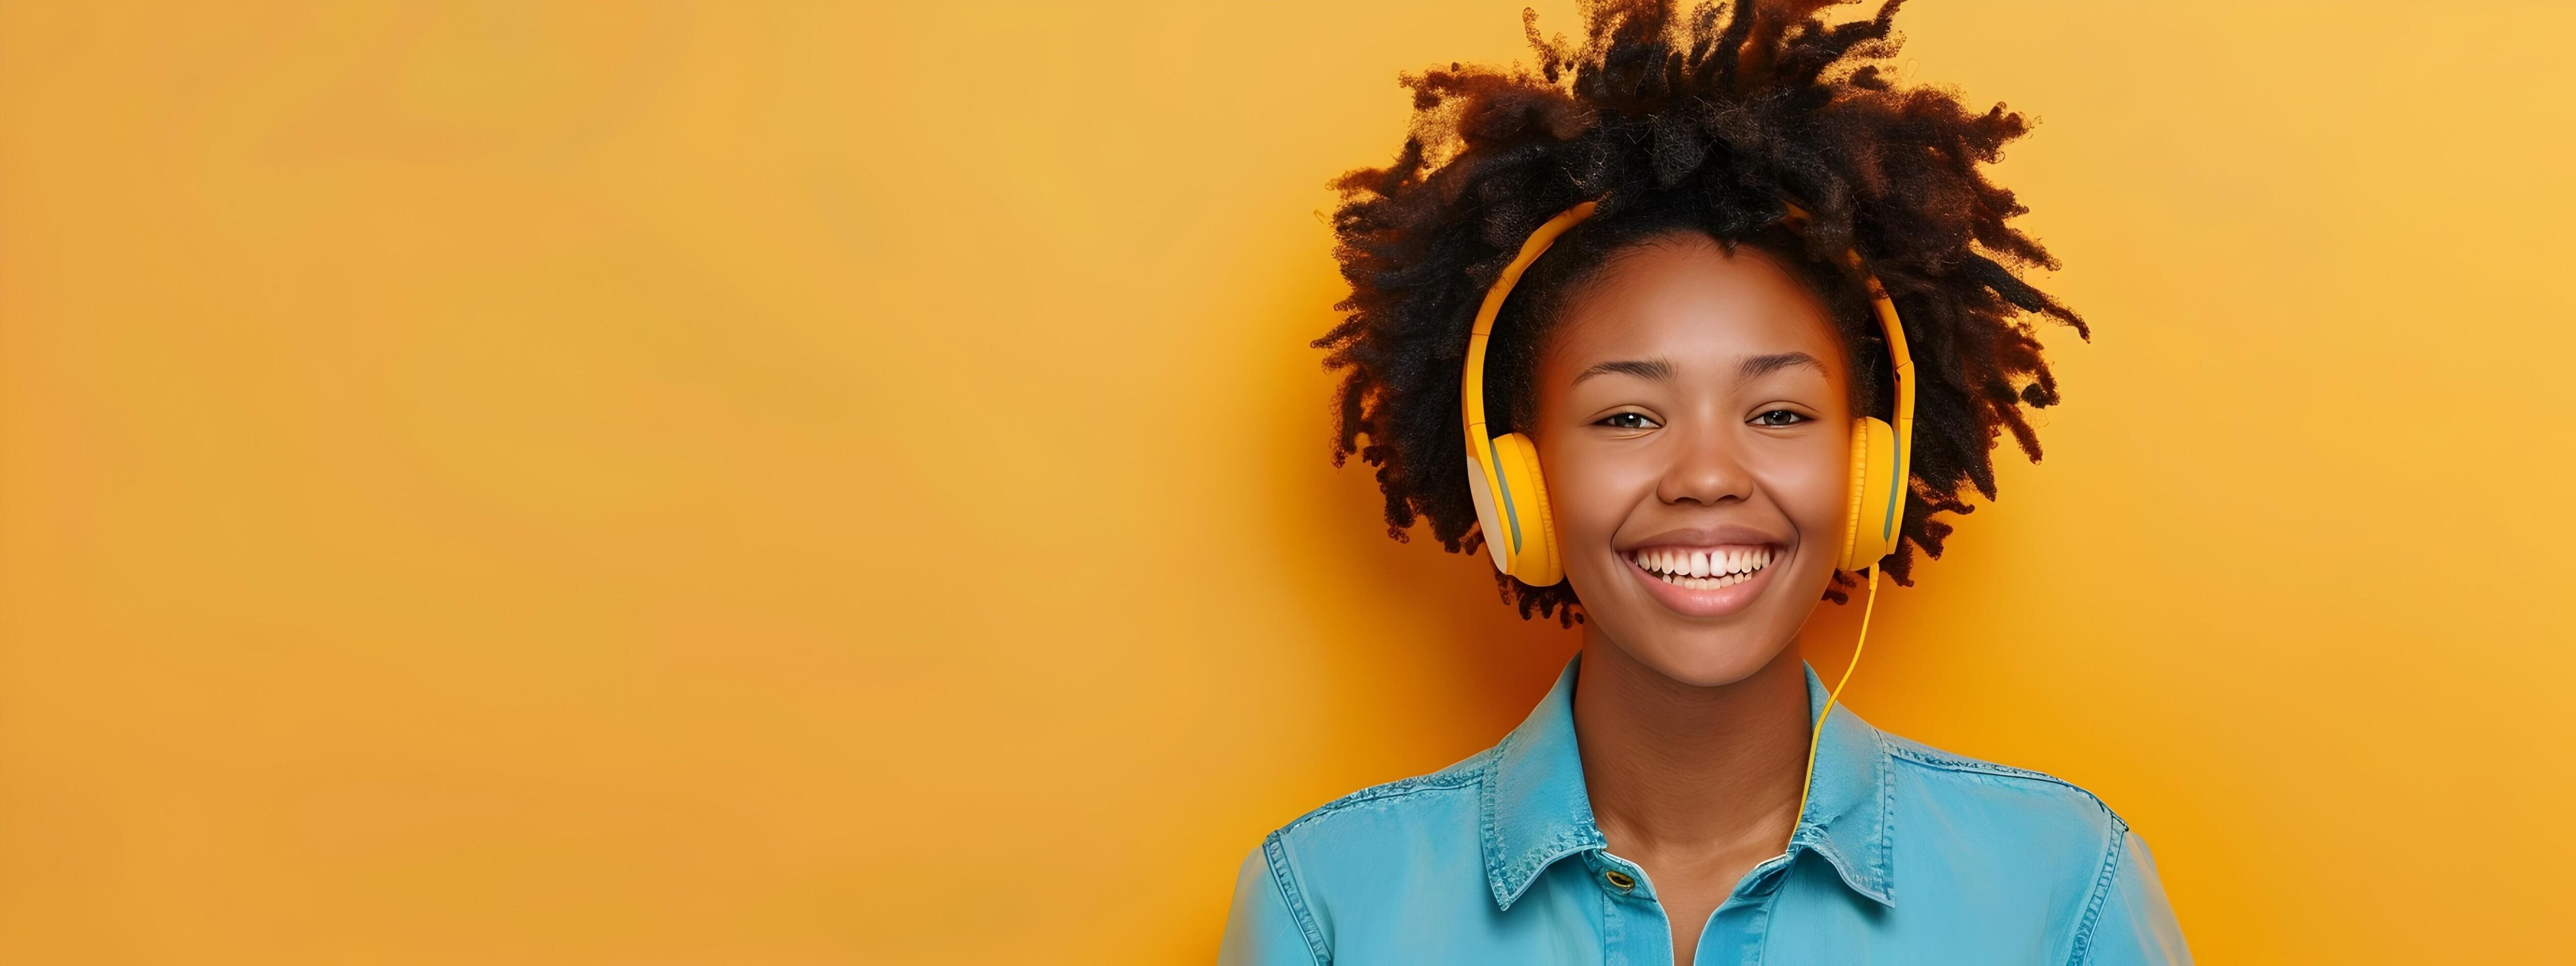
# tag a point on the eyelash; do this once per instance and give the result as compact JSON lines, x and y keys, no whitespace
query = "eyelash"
{"x":1772,"y":418}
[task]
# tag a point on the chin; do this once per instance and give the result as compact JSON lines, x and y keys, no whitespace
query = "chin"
{"x":1695,"y":632}
{"x":1706,"y":663}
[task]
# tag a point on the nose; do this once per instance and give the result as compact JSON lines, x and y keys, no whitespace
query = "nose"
{"x":1705,"y":468}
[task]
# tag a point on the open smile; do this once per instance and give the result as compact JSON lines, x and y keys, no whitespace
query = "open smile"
{"x":1705,"y":581}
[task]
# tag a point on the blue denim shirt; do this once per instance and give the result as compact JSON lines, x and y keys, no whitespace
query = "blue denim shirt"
{"x":1904,"y":854}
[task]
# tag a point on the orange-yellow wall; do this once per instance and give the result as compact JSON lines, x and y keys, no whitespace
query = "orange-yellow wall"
{"x":499,"y":482}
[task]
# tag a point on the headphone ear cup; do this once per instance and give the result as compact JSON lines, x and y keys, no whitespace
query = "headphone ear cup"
{"x":1489,"y":520}
{"x":1553,"y":569}
{"x":1533,"y":522}
{"x":1870,"y":532}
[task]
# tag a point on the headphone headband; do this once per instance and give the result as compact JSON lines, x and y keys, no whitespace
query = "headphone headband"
{"x":1546,"y":235}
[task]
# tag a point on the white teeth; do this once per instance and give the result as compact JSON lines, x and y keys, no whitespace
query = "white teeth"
{"x":1704,"y":569}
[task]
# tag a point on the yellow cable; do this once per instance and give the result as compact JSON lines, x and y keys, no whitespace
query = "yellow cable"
{"x":1817,"y":738}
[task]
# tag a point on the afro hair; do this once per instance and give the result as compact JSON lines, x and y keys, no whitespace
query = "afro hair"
{"x":1717,"y":122}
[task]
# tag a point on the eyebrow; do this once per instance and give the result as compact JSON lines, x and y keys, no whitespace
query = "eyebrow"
{"x":1759,"y":366}
{"x":1656,"y":369}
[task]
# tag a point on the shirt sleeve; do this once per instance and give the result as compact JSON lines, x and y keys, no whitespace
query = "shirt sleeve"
{"x":1260,"y":931}
{"x":2135,"y":925}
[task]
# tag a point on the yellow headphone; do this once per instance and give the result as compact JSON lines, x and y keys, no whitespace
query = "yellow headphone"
{"x":1511,"y":497}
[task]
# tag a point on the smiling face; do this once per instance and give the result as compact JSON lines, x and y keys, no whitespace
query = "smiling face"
{"x":1693,"y":422}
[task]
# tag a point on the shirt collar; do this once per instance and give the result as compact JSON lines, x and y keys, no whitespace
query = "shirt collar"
{"x":1535,"y":810}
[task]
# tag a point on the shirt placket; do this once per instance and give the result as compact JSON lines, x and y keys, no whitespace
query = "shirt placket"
{"x":1634,"y":931}
{"x":1736,"y":932}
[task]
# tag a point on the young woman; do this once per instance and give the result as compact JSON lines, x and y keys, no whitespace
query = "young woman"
{"x":1715,"y":318}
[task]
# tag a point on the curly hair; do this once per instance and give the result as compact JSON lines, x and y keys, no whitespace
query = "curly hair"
{"x":1713,"y":122}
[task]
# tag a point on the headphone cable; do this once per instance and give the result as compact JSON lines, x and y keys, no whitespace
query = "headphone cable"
{"x":1816,"y":738}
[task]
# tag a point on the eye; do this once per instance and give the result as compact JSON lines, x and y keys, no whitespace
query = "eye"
{"x":1627,"y":421}
{"x":1779,"y":417}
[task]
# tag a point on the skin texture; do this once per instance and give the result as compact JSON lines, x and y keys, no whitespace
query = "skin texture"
{"x":1693,"y":398}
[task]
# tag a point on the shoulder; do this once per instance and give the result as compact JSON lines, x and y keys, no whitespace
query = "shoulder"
{"x":1381,"y":815}
{"x":2011,"y":838}
{"x":2026,"y":799}
{"x":1370,"y":861}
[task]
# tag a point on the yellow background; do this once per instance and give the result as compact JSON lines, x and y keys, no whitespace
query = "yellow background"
{"x":504,"y":482}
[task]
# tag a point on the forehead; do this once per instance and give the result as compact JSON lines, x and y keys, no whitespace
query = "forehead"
{"x":1686,"y":299}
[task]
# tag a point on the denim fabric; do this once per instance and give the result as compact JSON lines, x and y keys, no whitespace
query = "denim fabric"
{"x":1904,"y":854}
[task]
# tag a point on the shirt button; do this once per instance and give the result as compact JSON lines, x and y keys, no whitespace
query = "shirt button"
{"x":1619,"y":880}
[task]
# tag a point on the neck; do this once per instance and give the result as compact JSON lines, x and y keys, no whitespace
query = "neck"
{"x":1679,"y":768}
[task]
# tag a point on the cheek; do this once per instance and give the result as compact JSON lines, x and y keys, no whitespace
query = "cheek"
{"x":1590,"y":493}
{"x":1813,"y":488}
